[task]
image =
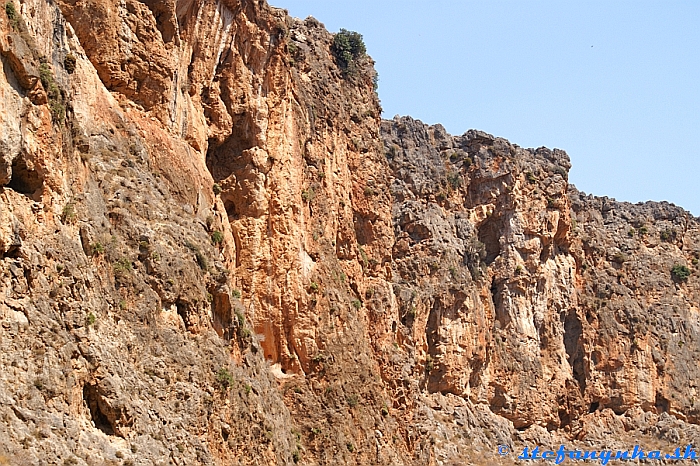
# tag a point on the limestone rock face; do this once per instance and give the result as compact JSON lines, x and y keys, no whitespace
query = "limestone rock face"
{"x":214,"y":251}
{"x":483,"y":237}
{"x":518,"y":292}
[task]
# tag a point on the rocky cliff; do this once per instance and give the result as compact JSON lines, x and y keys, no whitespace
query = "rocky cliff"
{"x":214,"y":251}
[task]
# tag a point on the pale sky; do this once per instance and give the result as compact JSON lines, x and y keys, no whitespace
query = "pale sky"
{"x":614,"y":83}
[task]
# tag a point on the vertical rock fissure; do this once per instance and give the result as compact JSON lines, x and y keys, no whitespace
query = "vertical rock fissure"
{"x":489,"y":234}
{"x":92,"y":401}
{"x":573,"y":331}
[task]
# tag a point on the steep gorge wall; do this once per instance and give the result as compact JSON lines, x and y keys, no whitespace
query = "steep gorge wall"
{"x":178,"y":122}
{"x":639,"y":319}
{"x":215,"y":252}
{"x":112,"y":287}
{"x":484,"y":250}
{"x":555,"y":309}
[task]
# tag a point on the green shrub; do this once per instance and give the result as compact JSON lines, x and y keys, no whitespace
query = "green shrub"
{"x":68,"y":215}
{"x":347,"y":48}
{"x":90,"y":319}
{"x":680,"y":272}
{"x":454,"y":179}
{"x":53,"y":92}
{"x":58,"y":110}
{"x":356,"y":303}
{"x":122,"y":266}
{"x":69,"y":63}
{"x":314,"y":287}
{"x":429,"y":363}
{"x":12,"y":15}
{"x":236,"y":294}
{"x":217,"y":237}
{"x":224,"y":378}
{"x":240,"y":318}
{"x":96,"y":249}
{"x":363,"y":256}
{"x":411,"y":312}
{"x":668,"y":235}
{"x":217,"y":188}
{"x":308,"y":195}
{"x":353,"y":400}
{"x":10,"y":10}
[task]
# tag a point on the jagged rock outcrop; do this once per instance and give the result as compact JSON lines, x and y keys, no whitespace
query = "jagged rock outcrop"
{"x":484,"y":248}
{"x":116,"y":278}
{"x":638,"y":310}
{"x":213,"y":251}
{"x":554,"y":309}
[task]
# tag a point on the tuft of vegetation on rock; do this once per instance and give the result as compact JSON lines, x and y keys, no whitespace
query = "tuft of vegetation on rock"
{"x":69,"y":63}
{"x":12,"y":15}
{"x":224,"y":378}
{"x":680,"y":272}
{"x":68,"y":214}
{"x":57,"y":103}
{"x":347,"y":48}
{"x":217,"y":237}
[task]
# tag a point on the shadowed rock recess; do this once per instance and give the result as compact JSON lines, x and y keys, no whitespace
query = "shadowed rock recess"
{"x":213,"y":251}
